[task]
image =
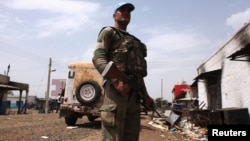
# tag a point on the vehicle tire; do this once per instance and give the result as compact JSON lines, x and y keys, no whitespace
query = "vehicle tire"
{"x":92,"y":118}
{"x":71,"y":120}
{"x":88,"y":93}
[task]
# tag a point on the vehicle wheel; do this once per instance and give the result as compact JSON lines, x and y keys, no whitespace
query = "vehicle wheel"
{"x":88,"y":93}
{"x":92,"y":118}
{"x":71,"y":120}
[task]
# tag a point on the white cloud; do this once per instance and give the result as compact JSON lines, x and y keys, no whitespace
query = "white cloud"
{"x":65,"y":16}
{"x":63,"y":24}
{"x":175,"y":41}
{"x":56,"y":6}
{"x":175,"y":45}
{"x":236,"y":21}
{"x":4,"y":19}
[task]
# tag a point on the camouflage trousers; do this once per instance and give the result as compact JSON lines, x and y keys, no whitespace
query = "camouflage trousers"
{"x":120,"y":116}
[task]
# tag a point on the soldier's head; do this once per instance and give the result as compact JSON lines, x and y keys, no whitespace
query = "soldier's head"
{"x":122,"y":13}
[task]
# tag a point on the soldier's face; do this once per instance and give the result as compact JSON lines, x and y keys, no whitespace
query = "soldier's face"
{"x":122,"y":15}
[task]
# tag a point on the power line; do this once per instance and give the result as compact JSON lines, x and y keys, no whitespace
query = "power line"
{"x":16,"y":51}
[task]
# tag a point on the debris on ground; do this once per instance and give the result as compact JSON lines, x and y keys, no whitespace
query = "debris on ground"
{"x":193,"y":123}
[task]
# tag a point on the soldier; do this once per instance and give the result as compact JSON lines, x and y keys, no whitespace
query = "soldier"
{"x":120,"y":112}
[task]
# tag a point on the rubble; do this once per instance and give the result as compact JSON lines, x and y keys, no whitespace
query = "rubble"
{"x":173,"y":122}
{"x":193,"y":123}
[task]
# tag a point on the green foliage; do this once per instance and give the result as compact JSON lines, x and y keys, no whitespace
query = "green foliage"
{"x":160,"y":103}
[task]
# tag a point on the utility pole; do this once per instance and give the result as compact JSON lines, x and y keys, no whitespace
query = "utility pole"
{"x":161,"y":92}
{"x":8,"y":70}
{"x":47,"y":92}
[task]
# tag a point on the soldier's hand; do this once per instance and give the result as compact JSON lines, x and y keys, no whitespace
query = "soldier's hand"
{"x":121,"y":87}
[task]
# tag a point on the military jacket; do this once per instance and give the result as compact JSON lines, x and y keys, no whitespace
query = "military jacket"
{"x":124,"y":49}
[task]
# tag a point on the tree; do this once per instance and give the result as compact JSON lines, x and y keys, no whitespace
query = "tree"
{"x":161,"y":103}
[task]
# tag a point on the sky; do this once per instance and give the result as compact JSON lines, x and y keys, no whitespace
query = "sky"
{"x":179,"y":34}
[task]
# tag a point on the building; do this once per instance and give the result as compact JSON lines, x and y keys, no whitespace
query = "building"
{"x":5,"y":86}
{"x":182,"y":96}
{"x":58,"y":85}
{"x":223,"y":79}
{"x":14,"y":101}
{"x":180,"y":91}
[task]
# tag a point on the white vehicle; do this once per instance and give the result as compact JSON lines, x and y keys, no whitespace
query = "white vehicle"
{"x":83,"y":93}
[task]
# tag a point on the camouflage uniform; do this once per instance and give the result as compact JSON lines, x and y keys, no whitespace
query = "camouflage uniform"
{"x":120,"y":114}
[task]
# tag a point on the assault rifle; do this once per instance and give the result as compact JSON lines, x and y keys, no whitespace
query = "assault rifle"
{"x":112,"y":72}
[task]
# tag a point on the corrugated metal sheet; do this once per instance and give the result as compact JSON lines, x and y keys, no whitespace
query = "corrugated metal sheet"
{"x":2,"y":86}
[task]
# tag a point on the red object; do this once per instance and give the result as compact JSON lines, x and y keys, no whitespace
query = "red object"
{"x":180,"y":90}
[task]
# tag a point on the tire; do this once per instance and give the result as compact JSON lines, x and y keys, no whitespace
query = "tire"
{"x":88,"y":93}
{"x":71,"y":120}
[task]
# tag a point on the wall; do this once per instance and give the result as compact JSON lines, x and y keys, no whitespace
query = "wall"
{"x":235,"y":75}
{"x":57,"y":85}
{"x":13,"y":99}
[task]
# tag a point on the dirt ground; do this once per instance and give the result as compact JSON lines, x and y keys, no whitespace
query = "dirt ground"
{"x":35,"y":126}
